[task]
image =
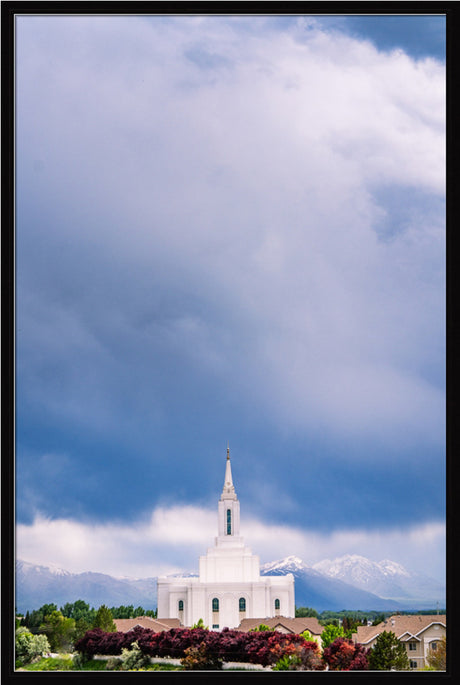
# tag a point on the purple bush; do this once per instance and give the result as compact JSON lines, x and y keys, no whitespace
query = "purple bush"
{"x":229,"y":645}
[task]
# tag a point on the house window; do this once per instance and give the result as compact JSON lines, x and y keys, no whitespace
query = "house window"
{"x":277,"y":604}
{"x":229,"y":522}
{"x":215,"y":604}
{"x":215,"y":626}
{"x":412,"y":664}
{"x":412,"y":646}
{"x":181,"y":605}
{"x":242,"y":604}
{"x":434,"y":646}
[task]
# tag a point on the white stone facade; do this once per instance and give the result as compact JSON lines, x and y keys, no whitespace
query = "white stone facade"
{"x":229,"y":586}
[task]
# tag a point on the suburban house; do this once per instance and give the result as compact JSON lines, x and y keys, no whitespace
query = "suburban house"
{"x":420,"y":634}
{"x":284,"y":624}
{"x":125,"y":624}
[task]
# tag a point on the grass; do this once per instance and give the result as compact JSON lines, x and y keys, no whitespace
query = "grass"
{"x":65,"y":663}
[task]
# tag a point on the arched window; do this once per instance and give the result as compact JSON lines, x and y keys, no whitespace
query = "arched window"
{"x":229,"y":522}
{"x":277,"y":604}
{"x":181,"y":605}
{"x":215,"y":604}
{"x":242,"y":604}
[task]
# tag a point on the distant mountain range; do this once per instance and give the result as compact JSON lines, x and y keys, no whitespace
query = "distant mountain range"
{"x":37,"y":585}
{"x":349,"y":582}
{"x":354,"y":582}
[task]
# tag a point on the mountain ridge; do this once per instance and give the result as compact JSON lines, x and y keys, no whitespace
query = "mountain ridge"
{"x":345,"y":583}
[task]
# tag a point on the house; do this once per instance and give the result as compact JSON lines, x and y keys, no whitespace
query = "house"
{"x":420,"y":635}
{"x":123,"y":625}
{"x":285,"y":624}
{"x":229,"y":587}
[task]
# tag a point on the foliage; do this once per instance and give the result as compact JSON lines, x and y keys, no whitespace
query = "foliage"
{"x":259,"y":628}
{"x":228,"y":645}
{"x":59,"y":630}
{"x":311,"y":638}
{"x":344,"y":655}
{"x":79,"y":610}
{"x":388,"y":654}
{"x":133,"y":658}
{"x":200,"y":657}
{"x":350,"y":625}
{"x":331,"y":633}
{"x":305,"y":656}
{"x":437,"y":660}
{"x":34,"y":619}
{"x":306,"y":612}
{"x":28,"y":646}
{"x":360,"y":617}
{"x":113,"y":664}
{"x":200,"y":624}
{"x":52,"y":663}
{"x":104,"y":620}
{"x":77,"y":661}
{"x":81,"y":627}
{"x":288,"y":662}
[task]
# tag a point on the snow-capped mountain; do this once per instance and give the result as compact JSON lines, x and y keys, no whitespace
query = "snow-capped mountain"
{"x":319,"y":591}
{"x":385,"y":578}
{"x":37,"y":585}
{"x":349,"y":582}
{"x":290,"y":564}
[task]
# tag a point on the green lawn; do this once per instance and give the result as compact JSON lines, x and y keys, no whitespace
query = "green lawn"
{"x":65,"y":664}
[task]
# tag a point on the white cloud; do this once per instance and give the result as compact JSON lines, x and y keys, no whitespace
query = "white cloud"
{"x":174,"y":537}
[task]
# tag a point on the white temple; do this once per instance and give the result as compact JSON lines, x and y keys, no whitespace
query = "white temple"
{"x":229,"y":586}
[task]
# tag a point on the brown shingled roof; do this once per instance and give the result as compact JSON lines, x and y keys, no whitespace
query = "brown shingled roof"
{"x":158,"y":625}
{"x":293,"y":625}
{"x":402,"y":626}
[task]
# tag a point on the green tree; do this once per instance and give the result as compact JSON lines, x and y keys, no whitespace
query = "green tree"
{"x":59,"y":630}
{"x":123,"y":611}
{"x":28,"y":646}
{"x":81,"y":627}
{"x":37,"y":616}
{"x":260,"y":628}
{"x":437,"y":659}
{"x":306,"y":612}
{"x":388,"y":654}
{"x":200,"y":624}
{"x":77,"y":610}
{"x":330,"y":633}
{"x":104,"y":620}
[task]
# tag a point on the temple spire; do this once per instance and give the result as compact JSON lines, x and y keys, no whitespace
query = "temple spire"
{"x":228,"y":491}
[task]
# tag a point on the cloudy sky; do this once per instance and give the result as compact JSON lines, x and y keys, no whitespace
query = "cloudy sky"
{"x":230,"y":229}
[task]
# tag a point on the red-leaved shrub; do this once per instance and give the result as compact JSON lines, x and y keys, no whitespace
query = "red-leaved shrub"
{"x":345,"y":655}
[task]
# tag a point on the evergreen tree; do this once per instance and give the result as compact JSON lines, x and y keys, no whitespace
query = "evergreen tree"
{"x":388,"y":654}
{"x":104,"y":620}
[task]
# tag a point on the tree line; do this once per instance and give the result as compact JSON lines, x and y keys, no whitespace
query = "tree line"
{"x":65,"y":626}
{"x":352,"y":619}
